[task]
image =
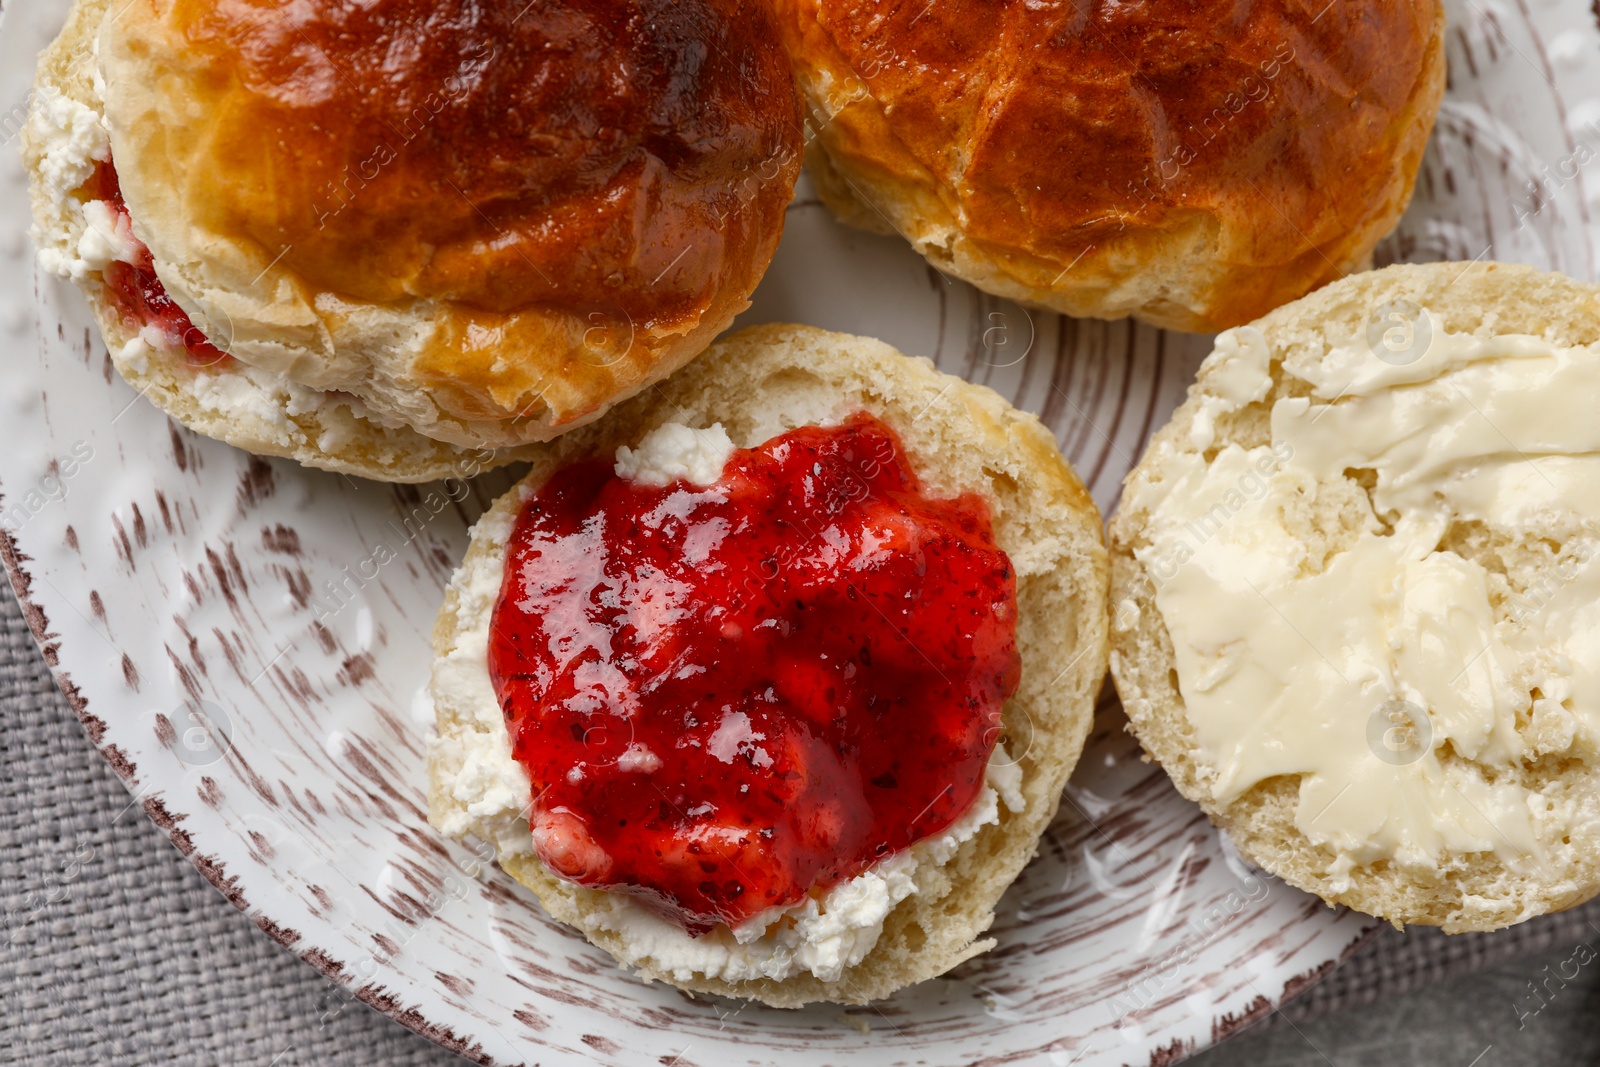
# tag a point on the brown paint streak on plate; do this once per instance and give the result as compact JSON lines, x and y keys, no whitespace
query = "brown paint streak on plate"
{"x":532,"y":1020}
{"x":258,"y":785}
{"x":185,"y":675}
{"x":225,"y":579}
{"x":282,"y":935}
{"x":209,"y":792}
{"x":115,"y":756}
{"x":233,"y":653}
{"x":280,"y":539}
{"x":123,"y":544}
{"x":1232,"y":1023}
{"x":461,"y":987}
{"x":357,"y":669}
{"x":397,"y":915}
{"x":261,"y":849}
{"x":130,"y":673}
{"x":180,"y":452}
{"x":600,"y":1044}
{"x":325,"y":964}
{"x":256,"y":483}
{"x":1173,"y":1054}
{"x":412,"y":1019}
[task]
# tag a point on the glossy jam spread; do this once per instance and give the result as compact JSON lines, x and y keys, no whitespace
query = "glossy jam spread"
{"x":140,"y":295}
{"x":730,"y":696}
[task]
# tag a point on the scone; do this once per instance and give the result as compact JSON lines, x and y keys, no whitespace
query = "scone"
{"x":381,"y":238}
{"x":770,"y":681}
{"x":1192,"y":165}
{"x":1355,"y":603}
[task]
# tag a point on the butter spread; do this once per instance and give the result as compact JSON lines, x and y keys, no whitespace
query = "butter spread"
{"x":1362,"y":656}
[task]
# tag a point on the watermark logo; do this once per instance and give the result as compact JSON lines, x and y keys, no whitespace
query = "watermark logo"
{"x":1252,"y":89}
{"x":1551,"y":983}
{"x":202,"y":733}
{"x":1252,"y":486}
{"x":608,"y":740}
{"x":52,"y":487}
{"x":208,"y":350}
{"x":1004,"y":347}
{"x":607,"y":336}
{"x":1399,"y":333}
{"x":1399,"y":732}
{"x":340,"y":592}
{"x":1016,"y":735}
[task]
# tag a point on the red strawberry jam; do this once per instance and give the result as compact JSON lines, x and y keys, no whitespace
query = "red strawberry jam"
{"x":730,"y":696}
{"x":140,"y":295}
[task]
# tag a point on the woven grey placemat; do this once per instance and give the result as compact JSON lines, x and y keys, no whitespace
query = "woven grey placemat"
{"x":113,"y":950}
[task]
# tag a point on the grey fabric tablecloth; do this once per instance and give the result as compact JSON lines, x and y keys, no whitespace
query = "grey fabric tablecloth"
{"x":114,"y":950}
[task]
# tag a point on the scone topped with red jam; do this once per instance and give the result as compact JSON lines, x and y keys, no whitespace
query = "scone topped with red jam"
{"x":752,"y":683}
{"x":728,"y":695}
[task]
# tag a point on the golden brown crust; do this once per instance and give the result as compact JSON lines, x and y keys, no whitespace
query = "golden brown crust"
{"x":497,"y":154}
{"x":490,"y":221}
{"x":1195,"y":166}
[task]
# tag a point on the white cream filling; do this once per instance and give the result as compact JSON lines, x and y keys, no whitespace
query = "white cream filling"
{"x":1357,"y":671}
{"x":822,"y":936}
{"x":93,"y":235}
{"x":72,"y":139}
{"x":107,"y":238}
{"x":673,"y":451}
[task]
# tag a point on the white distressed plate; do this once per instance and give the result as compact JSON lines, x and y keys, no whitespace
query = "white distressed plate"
{"x":180,"y":590}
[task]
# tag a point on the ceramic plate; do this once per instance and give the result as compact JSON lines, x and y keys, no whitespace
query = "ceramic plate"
{"x":235,"y":648}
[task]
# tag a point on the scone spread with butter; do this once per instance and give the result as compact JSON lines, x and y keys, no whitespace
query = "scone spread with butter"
{"x":370,"y":237}
{"x":770,"y":681}
{"x":1355,"y":594}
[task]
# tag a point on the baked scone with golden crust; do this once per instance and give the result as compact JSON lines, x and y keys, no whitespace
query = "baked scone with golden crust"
{"x":1355,"y":596}
{"x":370,"y":237}
{"x":1191,"y":165}
{"x":772,"y":602}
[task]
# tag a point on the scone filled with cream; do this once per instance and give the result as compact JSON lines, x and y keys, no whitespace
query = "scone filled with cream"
{"x":372,"y":236}
{"x":770,"y":683}
{"x":1356,"y":604}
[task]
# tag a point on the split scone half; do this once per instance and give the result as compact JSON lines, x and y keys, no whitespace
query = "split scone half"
{"x":1356,"y":609}
{"x":913,"y":912}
